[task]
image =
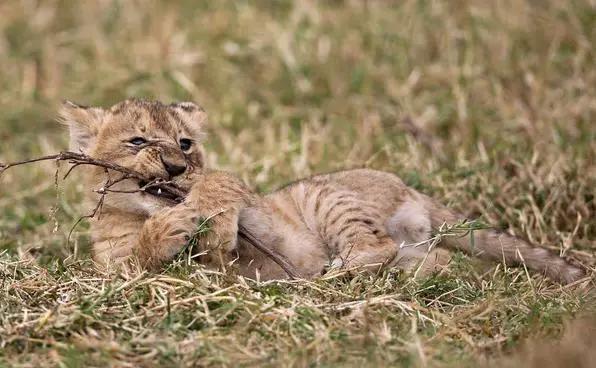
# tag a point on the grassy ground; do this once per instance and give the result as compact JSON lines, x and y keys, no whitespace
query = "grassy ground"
{"x":489,"y":106}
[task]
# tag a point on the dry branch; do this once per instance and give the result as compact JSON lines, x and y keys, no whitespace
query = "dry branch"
{"x":175,"y":193}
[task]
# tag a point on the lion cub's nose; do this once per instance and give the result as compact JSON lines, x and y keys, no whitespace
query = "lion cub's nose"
{"x":174,"y":168}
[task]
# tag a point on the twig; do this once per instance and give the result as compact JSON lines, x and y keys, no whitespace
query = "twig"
{"x":76,"y":158}
{"x":79,"y":159}
{"x":178,"y":193}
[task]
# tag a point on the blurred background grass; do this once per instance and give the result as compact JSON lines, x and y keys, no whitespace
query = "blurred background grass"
{"x":488,"y":106}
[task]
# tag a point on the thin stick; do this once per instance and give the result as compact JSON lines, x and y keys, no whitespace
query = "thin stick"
{"x":79,"y":159}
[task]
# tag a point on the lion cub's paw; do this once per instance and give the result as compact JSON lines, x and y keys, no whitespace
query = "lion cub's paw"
{"x":217,"y":240}
{"x":221,"y":233}
{"x":165,"y":235}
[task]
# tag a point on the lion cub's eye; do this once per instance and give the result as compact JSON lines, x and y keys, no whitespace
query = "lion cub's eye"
{"x":137,"y":141}
{"x":185,"y":144}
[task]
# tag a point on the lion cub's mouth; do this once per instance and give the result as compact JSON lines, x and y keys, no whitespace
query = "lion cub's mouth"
{"x":155,"y":188}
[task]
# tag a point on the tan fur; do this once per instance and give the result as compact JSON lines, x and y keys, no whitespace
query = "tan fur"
{"x":355,"y":218}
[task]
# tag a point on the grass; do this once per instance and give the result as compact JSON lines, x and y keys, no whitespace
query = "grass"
{"x":488,"y":106}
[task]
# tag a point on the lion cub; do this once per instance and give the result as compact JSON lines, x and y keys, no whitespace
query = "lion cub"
{"x":353,"y":218}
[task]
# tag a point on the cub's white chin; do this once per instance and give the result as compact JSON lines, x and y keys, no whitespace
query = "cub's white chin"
{"x":138,"y":203}
{"x":152,"y":204}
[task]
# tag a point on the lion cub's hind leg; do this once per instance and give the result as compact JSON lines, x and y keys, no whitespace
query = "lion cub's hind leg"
{"x":410,"y":229}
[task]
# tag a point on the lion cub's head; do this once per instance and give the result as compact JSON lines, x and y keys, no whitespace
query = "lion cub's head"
{"x":152,"y":138}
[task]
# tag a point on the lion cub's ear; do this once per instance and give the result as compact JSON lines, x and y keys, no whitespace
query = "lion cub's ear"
{"x":192,"y":115}
{"x":83,"y":122}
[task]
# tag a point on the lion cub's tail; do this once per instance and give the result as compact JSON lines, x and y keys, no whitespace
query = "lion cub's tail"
{"x":500,"y":247}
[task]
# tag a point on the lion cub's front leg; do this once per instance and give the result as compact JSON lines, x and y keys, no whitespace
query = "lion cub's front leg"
{"x":217,"y":198}
{"x":164,"y":235}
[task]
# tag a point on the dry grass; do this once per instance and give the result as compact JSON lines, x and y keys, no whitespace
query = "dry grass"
{"x":490,"y":106}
